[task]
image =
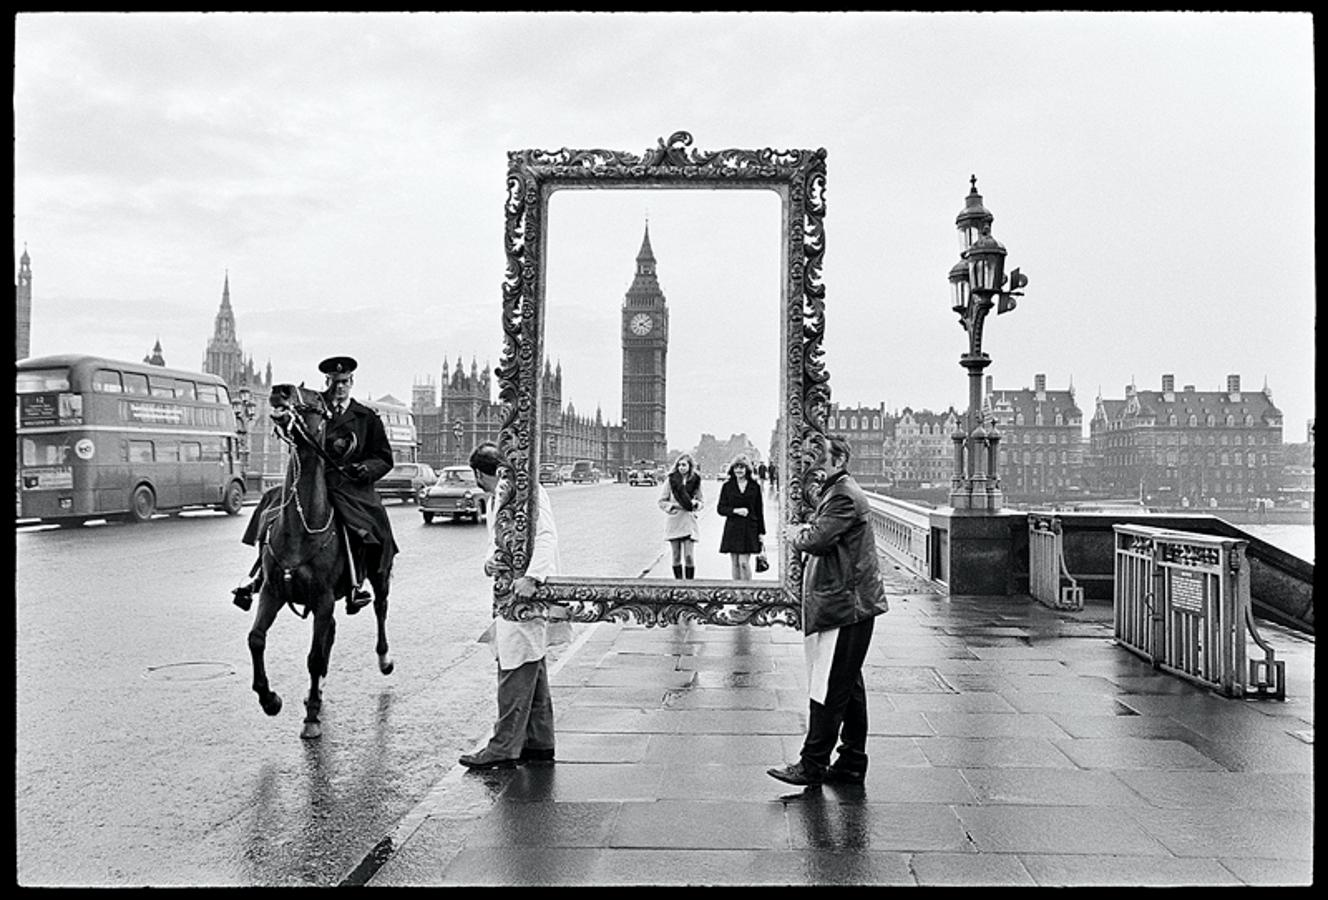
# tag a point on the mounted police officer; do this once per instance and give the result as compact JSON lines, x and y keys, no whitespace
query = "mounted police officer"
{"x":358,"y":452}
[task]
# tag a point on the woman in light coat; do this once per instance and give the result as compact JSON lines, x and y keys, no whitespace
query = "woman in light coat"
{"x":680,"y":500}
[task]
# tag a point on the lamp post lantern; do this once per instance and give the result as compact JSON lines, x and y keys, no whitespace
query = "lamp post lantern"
{"x":977,"y":283}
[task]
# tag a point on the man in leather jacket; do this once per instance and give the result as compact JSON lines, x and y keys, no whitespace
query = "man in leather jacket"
{"x":842,"y":595}
{"x":357,"y":443}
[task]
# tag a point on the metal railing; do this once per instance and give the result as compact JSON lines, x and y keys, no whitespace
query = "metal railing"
{"x":1182,"y":601}
{"x":1049,"y":581}
{"x":902,"y":530}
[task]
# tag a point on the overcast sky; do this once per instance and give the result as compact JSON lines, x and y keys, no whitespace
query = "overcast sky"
{"x":1152,"y":174}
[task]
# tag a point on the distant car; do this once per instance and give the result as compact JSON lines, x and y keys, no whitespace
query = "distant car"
{"x":565,"y":470}
{"x":584,"y":472}
{"x":643,"y":473}
{"x":455,"y":494}
{"x":405,"y":481}
{"x":550,"y":474}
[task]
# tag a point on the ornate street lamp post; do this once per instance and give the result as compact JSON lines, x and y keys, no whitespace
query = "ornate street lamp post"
{"x":245,"y":413}
{"x":977,"y":284}
{"x":458,"y":432}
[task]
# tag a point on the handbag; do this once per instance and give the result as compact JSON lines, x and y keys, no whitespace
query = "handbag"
{"x":762,"y":564}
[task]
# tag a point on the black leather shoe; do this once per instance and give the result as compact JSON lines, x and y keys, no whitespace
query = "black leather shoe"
{"x":486,"y":760}
{"x":795,"y":773}
{"x":244,"y":596}
{"x":358,"y":600}
{"x":836,"y":775}
{"x":537,"y":754}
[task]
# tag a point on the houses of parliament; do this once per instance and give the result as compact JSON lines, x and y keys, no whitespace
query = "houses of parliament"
{"x":1167,"y":447}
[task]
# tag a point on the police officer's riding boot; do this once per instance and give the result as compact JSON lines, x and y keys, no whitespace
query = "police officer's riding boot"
{"x":677,"y":572}
{"x":244,"y":594}
{"x":359,"y":598}
{"x":689,"y":572}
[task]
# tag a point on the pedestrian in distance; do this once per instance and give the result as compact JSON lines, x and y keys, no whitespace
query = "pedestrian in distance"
{"x":359,"y":454}
{"x":680,"y":499}
{"x":842,"y":595}
{"x":744,"y":517}
{"x":523,"y":731}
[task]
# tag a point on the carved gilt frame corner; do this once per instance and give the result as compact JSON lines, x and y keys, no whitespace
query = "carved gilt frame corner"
{"x":798,"y":176}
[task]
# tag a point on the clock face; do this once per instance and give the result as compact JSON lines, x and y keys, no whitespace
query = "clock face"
{"x":642,"y":323}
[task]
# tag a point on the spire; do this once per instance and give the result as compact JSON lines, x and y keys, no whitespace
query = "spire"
{"x":226,"y":291}
{"x":646,"y":253}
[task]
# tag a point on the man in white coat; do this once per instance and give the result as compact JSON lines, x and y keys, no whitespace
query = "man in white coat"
{"x":524,"y":729}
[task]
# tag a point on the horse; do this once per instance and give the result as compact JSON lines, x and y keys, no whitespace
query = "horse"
{"x":304,"y":555}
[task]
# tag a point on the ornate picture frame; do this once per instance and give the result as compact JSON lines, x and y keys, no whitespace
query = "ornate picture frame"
{"x":798,"y":177}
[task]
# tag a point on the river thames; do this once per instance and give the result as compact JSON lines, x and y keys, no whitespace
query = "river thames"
{"x":1296,"y":539}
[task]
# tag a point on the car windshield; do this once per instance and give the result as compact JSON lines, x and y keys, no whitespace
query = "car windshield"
{"x":456,"y":476}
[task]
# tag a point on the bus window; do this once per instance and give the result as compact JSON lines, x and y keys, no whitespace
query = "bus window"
{"x":140,"y":451}
{"x":191,"y":451}
{"x":42,"y":381}
{"x":223,"y":396}
{"x":184,"y":389}
{"x":211,"y":451}
{"x":135,"y":383}
{"x":161,"y":387}
{"x":167,"y":451}
{"x":45,"y":450}
{"x":207,"y":392}
{"x":107,"y":381}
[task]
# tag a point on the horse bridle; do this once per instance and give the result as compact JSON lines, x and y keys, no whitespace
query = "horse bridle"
{"x":295,"y":427}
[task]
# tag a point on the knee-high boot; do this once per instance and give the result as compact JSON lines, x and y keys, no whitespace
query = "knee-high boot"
{"x":677,"y":572}
{"x":689,"y":571}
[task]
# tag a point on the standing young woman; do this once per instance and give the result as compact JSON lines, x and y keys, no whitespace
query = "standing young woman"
{"x":744,"y":517}
{"x":681,"y":498}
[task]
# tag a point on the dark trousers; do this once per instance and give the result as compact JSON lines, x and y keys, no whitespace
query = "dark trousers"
{"x":843,"y":716}
{"x":525,"y":711}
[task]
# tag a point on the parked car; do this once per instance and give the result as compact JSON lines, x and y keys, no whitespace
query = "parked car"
{"x":405,"y":481}
{"x":455,"y":493}
{"x":550,"y":473}
{"x":565,"y":470}
{"x":584,"y":472}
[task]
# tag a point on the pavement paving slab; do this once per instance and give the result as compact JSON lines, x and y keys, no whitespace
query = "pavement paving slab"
{"x":1010,"y":744}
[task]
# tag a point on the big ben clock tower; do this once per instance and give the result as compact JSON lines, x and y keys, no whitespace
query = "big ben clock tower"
{"x":645,"y":349}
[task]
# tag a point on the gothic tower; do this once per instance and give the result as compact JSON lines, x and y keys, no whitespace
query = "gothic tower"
{"x":23,"y":307}
{"x":645,"y":348}
{"x":155,"y":358}
{"x":224,"y":355}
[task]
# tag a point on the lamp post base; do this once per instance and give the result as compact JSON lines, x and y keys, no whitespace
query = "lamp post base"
{"x":976,"y":500}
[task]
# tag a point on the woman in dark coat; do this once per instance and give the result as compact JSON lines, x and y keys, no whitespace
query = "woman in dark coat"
{"x":744,"y":517}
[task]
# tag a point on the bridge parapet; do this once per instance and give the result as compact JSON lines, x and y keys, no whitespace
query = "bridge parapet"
{"x":903,"y":532}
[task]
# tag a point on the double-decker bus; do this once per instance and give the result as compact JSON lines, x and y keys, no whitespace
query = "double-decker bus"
{"x":103,"y":438}
{"x":399,"y":423}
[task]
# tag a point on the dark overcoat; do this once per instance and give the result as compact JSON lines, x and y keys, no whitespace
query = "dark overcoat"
{"x":742,"y":534}
{"x":841,"y":581}
{"x":358,"y":436}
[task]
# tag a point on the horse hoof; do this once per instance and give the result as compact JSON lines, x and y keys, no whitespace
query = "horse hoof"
{"x":272,"y":705}
{"x":311,"y":731}
{"x":386,"y":665}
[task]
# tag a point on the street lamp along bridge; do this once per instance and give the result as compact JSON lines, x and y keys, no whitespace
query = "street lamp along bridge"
{"x":977,"y":283}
